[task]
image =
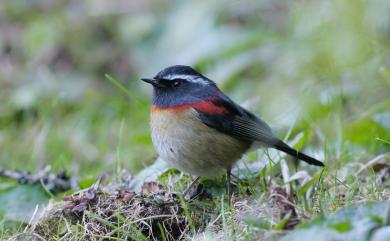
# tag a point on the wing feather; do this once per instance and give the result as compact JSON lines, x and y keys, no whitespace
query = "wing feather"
{"x":238,"y":122}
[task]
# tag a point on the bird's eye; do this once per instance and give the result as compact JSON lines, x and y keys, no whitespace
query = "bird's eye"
{"x":176,"y":83}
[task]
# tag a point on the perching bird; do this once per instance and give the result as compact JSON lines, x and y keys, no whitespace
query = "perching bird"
{"x":200,"y":130}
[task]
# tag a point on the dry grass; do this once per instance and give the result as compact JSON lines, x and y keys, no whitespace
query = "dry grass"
{"x":113,"y":212}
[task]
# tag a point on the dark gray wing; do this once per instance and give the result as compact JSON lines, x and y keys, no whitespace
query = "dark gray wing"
{"x":237,"y":121}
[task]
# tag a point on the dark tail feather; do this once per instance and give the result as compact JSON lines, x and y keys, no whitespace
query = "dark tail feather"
{"x":281,"y":146}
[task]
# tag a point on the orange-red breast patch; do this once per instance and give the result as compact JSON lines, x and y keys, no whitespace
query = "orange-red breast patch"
{"x":207,"y":107}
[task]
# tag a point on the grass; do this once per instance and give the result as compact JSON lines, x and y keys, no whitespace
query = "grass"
{"x":317,"y":72}
{"x":263,"y":213}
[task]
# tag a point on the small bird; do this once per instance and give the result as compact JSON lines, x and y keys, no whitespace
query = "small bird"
{"x":198,"y":129}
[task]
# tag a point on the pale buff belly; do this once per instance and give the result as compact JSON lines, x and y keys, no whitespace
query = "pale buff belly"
{"x":186,"y":143}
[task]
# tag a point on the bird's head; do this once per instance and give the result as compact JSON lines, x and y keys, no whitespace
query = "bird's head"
{"x":180,"y":85}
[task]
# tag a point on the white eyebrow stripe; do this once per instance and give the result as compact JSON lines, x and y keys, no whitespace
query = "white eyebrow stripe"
{"x":190,"y":78}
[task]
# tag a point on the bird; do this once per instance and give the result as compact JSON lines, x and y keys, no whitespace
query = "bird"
{"x":198,"y":129}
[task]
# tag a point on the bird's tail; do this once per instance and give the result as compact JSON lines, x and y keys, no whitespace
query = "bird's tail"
{"x":281,"y":146}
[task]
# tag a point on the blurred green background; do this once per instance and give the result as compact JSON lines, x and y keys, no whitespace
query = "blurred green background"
{"x":320,"y":68}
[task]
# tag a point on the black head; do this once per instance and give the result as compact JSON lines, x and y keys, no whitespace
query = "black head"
{"x":179,"y":85}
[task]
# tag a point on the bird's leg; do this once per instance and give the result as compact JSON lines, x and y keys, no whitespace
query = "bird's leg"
{"x":234,"y":176}
{"x":228,"y":188}
{"x":185,"y":192}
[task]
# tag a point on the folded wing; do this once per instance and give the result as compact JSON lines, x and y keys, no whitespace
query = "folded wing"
{"x":237,"y":121}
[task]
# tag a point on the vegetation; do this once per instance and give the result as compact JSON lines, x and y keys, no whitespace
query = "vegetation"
{"x":318,"y":72}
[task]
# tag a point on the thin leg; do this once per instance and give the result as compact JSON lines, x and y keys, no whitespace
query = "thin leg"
{"x":185,"y":192}
{"x":228,"y":189}
{"x":234,"y":176}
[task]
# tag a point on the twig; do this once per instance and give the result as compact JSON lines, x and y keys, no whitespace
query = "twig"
{"x":373,"y":161}
{"x":22,"y":235}
{"x":56,"y":182}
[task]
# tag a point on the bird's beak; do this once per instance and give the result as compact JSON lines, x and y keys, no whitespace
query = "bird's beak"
{"x":152,"y":81}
